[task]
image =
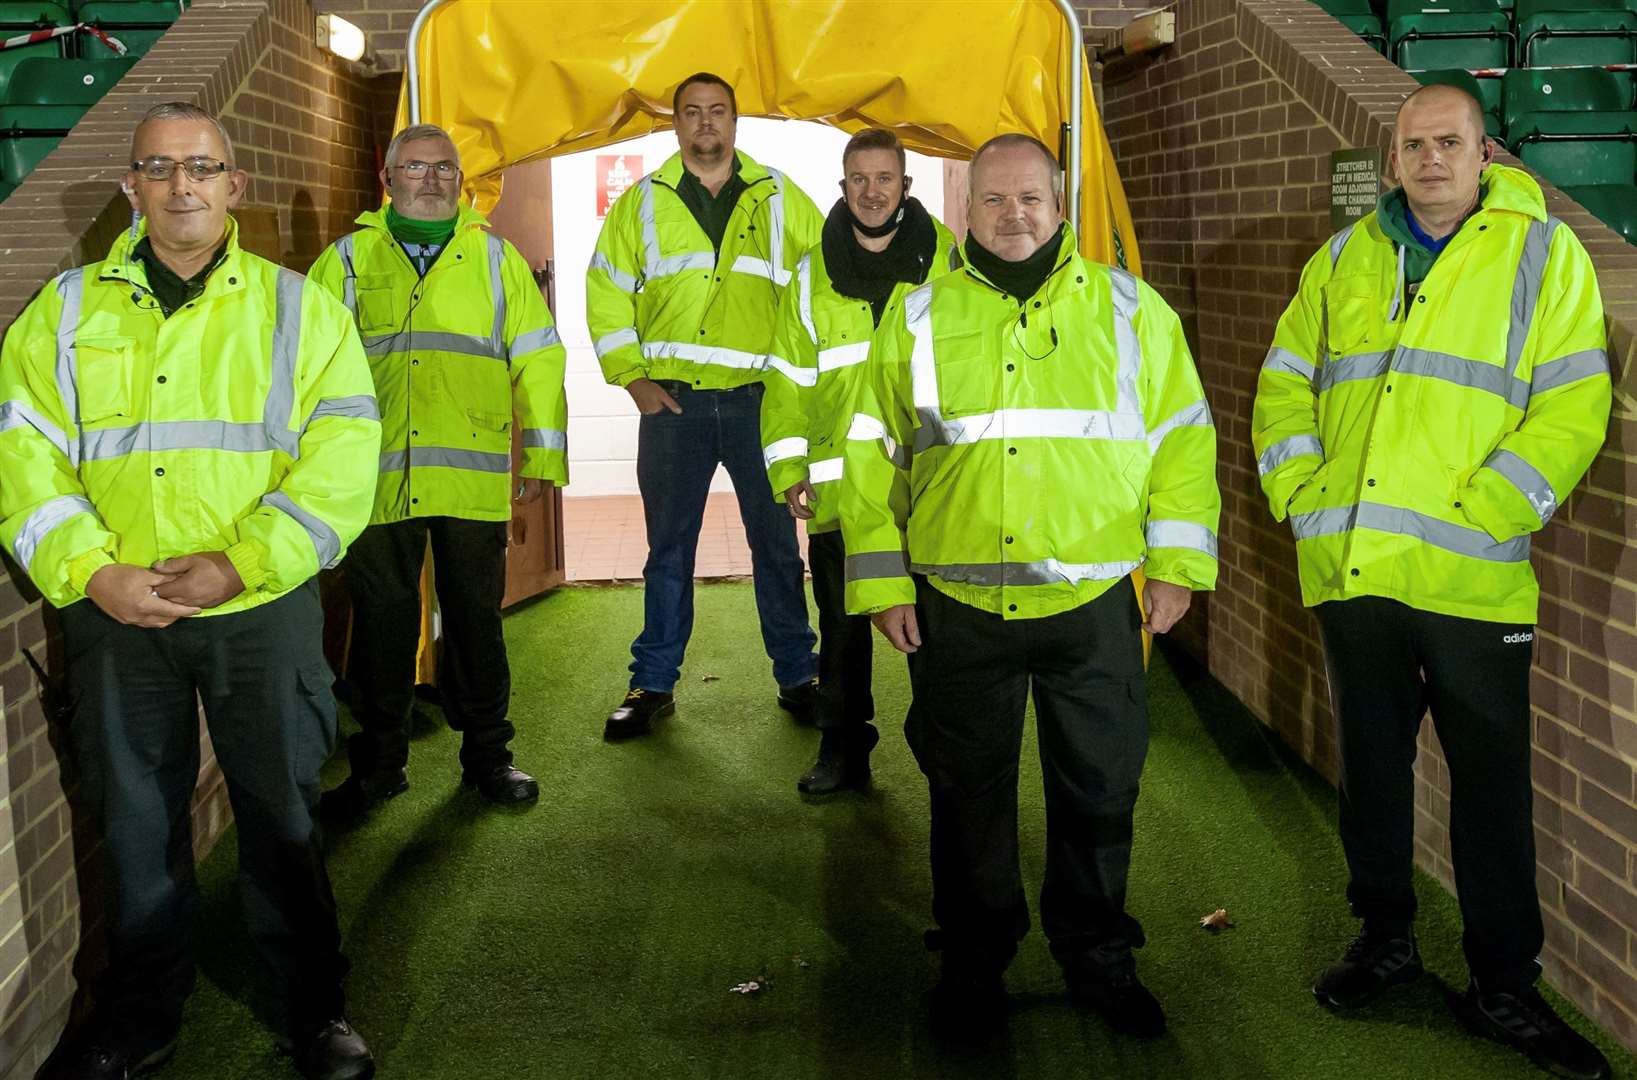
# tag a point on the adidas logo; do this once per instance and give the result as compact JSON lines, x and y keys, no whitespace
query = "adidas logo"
{"x":1518,"y":639}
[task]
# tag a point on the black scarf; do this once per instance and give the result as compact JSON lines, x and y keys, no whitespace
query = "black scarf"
{"x":872,"y":275}
{"x":1020,"y":280}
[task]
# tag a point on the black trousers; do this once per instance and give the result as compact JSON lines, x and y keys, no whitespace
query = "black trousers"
{"x":135,"y":735}
{"x":970,"y":680}
{"x":383,"y":570}
{"x":845,"y":641}
{"x":1388,"y":663}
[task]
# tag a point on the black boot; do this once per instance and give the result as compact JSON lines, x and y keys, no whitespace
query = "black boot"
{"x":843,"y":761}
{"x":801,"y":700}
{"x":331,"y":1051}
{"x":100,"y":1054}
{"x":358,"y":794}
{"x":1114,"y":990}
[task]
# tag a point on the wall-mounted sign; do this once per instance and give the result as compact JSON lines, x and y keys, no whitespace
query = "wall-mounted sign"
{"x":615,"y":173}
{"x":1355,"y":184}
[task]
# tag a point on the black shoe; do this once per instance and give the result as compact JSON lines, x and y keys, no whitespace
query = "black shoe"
{"x":334,"y":1051}
{"x":105,"y":1057}
{"x":503,"y":784}
{"x":967,"y":1005}
{"x":359,"y":793}
{"x":1373,"y":963}
{"x":637,"y":713}
{"x":801,"y":700}
{"x":1524,"y":1021}
{"x":843,"y":761}
{"x":1115,"y":991}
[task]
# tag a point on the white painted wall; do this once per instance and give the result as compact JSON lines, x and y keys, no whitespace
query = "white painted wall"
{"x":602,"y":421}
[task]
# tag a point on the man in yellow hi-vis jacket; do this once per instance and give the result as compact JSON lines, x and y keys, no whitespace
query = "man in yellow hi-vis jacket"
{"x":1436,"y":388}
{"x":459,"y":340}
{"x":1030,"y":431}
{"x":187,"y":436}
{"x":680,"y":298}
{"x":878,"y":243}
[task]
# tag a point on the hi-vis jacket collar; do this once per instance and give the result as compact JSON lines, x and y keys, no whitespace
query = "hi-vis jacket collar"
{"x":123,"y":265}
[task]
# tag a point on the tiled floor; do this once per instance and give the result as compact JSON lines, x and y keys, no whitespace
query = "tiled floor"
{"x":604,"y":539}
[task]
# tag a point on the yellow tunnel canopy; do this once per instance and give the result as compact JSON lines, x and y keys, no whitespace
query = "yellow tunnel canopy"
{"x":514,"y":81}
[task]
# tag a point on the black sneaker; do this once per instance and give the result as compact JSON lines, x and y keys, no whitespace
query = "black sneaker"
{"x":1373,"y":963}
{"x":843,"y":761}
{"x":801,"y":700}
{"x":1115,"y":991}
{"x":105,"y":1057}
{"x":637,"y":713}
{"x":1524,"y":1021}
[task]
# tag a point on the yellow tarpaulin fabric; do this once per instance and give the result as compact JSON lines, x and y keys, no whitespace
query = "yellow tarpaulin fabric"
{"x":514,"y":80}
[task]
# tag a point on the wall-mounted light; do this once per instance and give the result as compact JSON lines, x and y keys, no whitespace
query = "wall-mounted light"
{"x":340,"y":37}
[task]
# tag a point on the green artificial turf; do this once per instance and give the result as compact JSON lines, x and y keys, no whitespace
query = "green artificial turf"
{"x":597,"y":935}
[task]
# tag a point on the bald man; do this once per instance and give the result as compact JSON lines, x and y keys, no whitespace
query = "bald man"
{"x":1436,"y":388}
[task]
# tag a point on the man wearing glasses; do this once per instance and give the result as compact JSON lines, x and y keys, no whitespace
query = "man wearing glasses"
{"x":460,"y":342}
{"x":1030,"y":431}
{"x":188,"y":436}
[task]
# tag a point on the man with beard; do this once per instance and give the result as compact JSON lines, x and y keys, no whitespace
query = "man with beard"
{"x":680,"y":299}
{"x":460,"y":343}
{"x":1030,"y":431}
{"x":878,"y":243}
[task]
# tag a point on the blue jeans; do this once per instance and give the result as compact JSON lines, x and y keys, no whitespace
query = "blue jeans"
{"x":676,"y":458}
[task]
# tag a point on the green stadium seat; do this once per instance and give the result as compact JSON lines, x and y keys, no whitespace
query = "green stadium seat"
{"x":1428,"y":35}
{"x":1562,"y":33}
{"x":44,"y":100}
{"x":1487,"y":91}
{"x":20,"y":153}
{"x":1359,"y":17}
{"x":20,"y":17}
{"x":136,"y":23}
{"x":52,"y":95}
{"x":1560,"y":90}
{"x":1614,"y":204}
{"x":1573,"y":125}
{"x":1574,"y":149}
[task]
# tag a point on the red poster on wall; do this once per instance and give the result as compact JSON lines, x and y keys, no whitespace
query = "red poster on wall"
{"x":615,"y":173}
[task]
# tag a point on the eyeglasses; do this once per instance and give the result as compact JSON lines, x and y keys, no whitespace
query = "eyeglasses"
{"x":417,"y":169}
{"x":197,"y":168}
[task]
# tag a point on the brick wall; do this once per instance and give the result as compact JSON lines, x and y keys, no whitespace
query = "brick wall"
{"x":303,"y":124}
{"x":1222,"y":143}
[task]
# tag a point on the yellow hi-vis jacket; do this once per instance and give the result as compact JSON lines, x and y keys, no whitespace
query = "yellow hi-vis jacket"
{"x":244,"y":423}
{"x":453,"y":355}
{"x":661,"y":304}
{"x":1416,"y":441}
{"x":819,"y":347}
{"x":1027,"y":457}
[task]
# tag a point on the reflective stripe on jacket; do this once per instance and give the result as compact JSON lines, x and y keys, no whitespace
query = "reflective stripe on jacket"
{"x":245,"y":423}
{"x":1416,"y":441}
{"x":662,"y":304}
{"x":1027,"y":457}
{"x":456,"y":356}
{"x":819,"y":347}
